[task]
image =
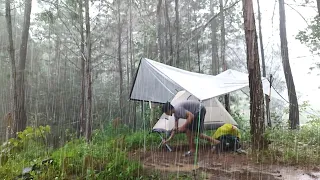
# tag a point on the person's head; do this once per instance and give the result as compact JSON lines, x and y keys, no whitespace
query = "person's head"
{"x":167,"y":108}
{"x":235,"y":128}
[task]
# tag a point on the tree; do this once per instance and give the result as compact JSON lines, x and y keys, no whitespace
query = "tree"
{"x":255,"y":84}
{"x":318,"y":6}
{"x":119,"y":35}
{"x":177,"y":33}
{"x":88,"y":74}
{"x":223,"y":50}
{"x":293,"y":101}
{"x":263,"y":64}
{"x":18,"y":71}
{"x":83,"y":107}
{"x":214,"y":42}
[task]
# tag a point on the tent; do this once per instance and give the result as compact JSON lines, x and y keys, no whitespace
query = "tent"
{"x":159,"y":83}
{"x":216,"y":114}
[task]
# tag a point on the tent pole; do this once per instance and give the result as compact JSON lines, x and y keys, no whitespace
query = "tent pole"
{"x":144,"y":129}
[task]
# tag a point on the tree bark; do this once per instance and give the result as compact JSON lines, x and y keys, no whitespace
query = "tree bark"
{"x":223,"y":50}
{"x":120,"y":63}
{"x":255,"y":83}
{"x":169,"y":32}
{"x":20,"y":112}
{"x":132,"y":66}
{"x":318,"y":6}
{"x":83,"y":105}
{"x":293,"y":106}
{"x":267,"y":100}
{"x":214,"y":42}
{"x":13,"y":65}
{"x":177,"y":33}
{"x":160,"y":43}
{"x":88,"y":74}
{"x":198,"y":55}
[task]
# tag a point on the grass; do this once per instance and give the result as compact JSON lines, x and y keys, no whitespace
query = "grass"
{"x":107,"y":155}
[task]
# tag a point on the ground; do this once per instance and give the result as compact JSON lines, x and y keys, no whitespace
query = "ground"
{"x":225,"y":166}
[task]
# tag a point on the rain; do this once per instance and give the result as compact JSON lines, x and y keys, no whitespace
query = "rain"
{"x":164,"y":89}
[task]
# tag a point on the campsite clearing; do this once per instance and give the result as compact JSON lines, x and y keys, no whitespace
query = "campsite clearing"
{"x":220,"y":167}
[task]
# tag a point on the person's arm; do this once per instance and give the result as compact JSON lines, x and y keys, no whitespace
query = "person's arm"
{"x":172,"y":133}
{"x":190,"y":118}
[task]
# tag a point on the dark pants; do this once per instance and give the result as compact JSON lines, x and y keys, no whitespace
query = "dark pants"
{"x":228,"y":143}
{"x":195,"y":124}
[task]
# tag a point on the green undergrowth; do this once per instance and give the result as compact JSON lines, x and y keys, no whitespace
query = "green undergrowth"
{"x":295,"y":147}
{"x":105,"y":157}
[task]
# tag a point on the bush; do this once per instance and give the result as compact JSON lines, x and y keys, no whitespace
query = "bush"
{"x":295,"y":146}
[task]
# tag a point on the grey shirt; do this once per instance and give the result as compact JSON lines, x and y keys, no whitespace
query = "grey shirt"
{"x":182,"y":108}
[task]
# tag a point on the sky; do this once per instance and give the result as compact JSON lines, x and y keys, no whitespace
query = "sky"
{"x":301,"y":59}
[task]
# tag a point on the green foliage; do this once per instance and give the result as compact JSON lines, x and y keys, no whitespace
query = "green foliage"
{"x":27,"y":149}
{"x":311,"y":36}
{"x":295,"y":146}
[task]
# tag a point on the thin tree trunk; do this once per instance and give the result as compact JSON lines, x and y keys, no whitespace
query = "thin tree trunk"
{"x":293,"y":106}
{"x":88,"y":74}
{"x":263,"y":64}
{"x":214,"y":42}
{"x":189,"y":36}
{"x":256,"y":92}
{"x":13,"y":65}
{"x":177,"y":33}
{"x":318,"y":6}
{"x":169,"y":32}
{"x":223,"y":51}
{"x":132,"y":67}
{"x":21,"y":116}
{"x":120,"y":63}
{"x":160,"y":44}
{"x":83,"y":105}
{"x":198,"y":56}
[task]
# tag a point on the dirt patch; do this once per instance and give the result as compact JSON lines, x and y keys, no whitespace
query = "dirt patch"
{"x":220,"y":167}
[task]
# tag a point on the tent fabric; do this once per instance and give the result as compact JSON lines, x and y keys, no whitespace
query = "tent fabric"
{"x":216,"y":114}
{"x":157,"y":82}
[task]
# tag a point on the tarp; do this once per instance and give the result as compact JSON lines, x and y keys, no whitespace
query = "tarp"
{"x":157,"y":82}
{"x":216,"y":114}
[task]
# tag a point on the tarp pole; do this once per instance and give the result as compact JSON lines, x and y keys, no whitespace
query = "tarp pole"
{"x":144,"y":128}
{"x":197,"y":139}
{"x":269,"y":118}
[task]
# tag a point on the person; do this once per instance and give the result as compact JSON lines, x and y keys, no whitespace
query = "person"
{"x":194,"y":113}
{"x":229,"y":136}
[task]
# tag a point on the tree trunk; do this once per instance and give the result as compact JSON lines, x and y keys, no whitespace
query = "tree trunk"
{"x":214,"y":42}
{"x":263,"y":65}
{"x":223,"y":51}
{"x":293,"y":107}
{"x":20,"y":113}
{"x":177,"y":33}
{"x":255,"y":84}
{"x":160,"y":42}
{"x":198,"y":55}
{"x":83,"y":105}
{"x":132,"y":67}
{"x":13,"y":66}
{"x":120,"y":63}
{"x":88,"y":74}
{"x":169,"y":32}
{"x":318,"y":6}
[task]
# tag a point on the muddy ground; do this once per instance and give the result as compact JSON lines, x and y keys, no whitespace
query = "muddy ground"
{"x":226,"y":166}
